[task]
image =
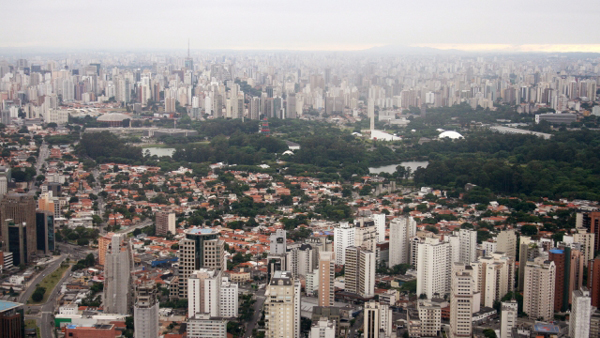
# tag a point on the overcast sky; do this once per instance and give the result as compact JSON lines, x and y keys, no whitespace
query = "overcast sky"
{"x":298,"y":25}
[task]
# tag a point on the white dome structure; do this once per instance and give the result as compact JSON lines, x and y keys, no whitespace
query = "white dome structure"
{"x":451,"y":135}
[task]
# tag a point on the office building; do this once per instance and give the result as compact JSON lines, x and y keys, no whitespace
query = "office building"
{"x":496,"y":277}
{"x":402,"y":229}
{"x":14,"y":237}
{"x":581,"y":312}
{"x":569,"y":275}
{"x":343,"y":237}
{"x":12,"y":322}
{"x":538,"y":289}
{"x":201,"y":248}
{"x":326,"y":277}
{"x":205,"y":326}
{"x":282,"y":306}
{"x":117,"y":273}
{"x":508,"y":318}
{"x":463,"y":300}
{"x":468,"y":246}
{"x":21,"y":210}
{"x":379,"y":220}
{"x":323,"y":329}
{"x":45,"y":232}
{"x":360,"y":272}
{"x":145,"y":311}
{"x":506,"y":242}
{"x":433,"y":274}
{"x":278,"y":245}
{"x":165,"y":223}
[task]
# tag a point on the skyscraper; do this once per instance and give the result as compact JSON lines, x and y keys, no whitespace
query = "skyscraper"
{"x":468,"y":246}
{"x":360,"y":272}
{"x":508,"y":318}
{"x":371,"y":113}
{"x":496,"y":277}
{"x":343,"y":237}
{"x":587,"y":244}
{"x":569,"y":275}
{"x":282,"y":307}
{"x":372,"y":321}
{"x":45,"y":232}
{"x":538,"y":293}
{"x":145,"y":311}
{"x":380,"y":225}
{"x":507,"y":243}
{"x":326,"y":278}
{"x":204,"y":292}
{"x":117,"y":271}
{"x":581,"y":312}
{"x":201,"y":248}
{"x":278,"y":242}
{"x":528,"y":251}
{"x":21,"y":210}
{"x":593,"y":281}
{"x":433,"y":274}
{"x":165,"y":223}
{"x":463,"y":300}
{"x":402,"y":229}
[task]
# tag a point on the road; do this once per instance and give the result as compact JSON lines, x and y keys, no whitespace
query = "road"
{"x":48,"y":270}
{"x":139,"y":226}
{"x":258,"y":305}
{"x":75,"y":252}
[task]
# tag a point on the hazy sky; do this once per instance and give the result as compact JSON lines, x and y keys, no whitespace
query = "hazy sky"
{"x":299,"y":25}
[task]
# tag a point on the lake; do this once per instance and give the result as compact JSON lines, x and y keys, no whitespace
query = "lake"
{"x":391,"y":168}
{"x":159,"y":151}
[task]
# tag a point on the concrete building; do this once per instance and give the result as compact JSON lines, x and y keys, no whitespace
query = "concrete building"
{"x":204,"y":293}
{"x":496,"y":277}
{"x":433,"y":274}
{"x":11,"y":320}
{"x":323,"y":329}
{"x":282,"y":306}
{"x":593,"y":282}
{"x":463,"y":300}
{"x":103,"y":242}
{"x":44,"y":232}
{"x":508,"y":318}
{"x":205,"y":326}
{"x":300,"y":259}
{"x":201,"y":248}
{"x":430,"y":316}
{"x":165,"y":223}
{"x":528,"y":251}
{"x":117,"y":272}
{"x":343,"y":237}
{"x":326,"y":277}
{"x":278,"y":242}
{"x":379,"y":220}
{"x":468,"y":246}
{"x":587,"y":244}
{"x":538,"y":289}
{"x":569,"y":275}
{"x":506,"y":242}
{"x":402,"y":229}
{"x":372,"y":320}
{"x":228,"y":302}
{"x":366,"y":234}
{"x":145,"y":312}
{"x":21,"y":242}
{"x":581,"y":313}
{"x":360,"y":272}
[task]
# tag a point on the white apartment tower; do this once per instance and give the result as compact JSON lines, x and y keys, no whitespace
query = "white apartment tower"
{"x":402,"y":229}
{"x":463,"y":300}
{"x":323,"y":329}
{"x":538,"y":289}
{"x":380,"y":225}
{"x":204,"y":292}
{"x":343,"y":237}
{"x":278,"y":242}
{"x":117,"y":284}
{"x":372,"y":321}
{"x":581,"y":313}
{"x":203,"y":326}
{"x":433,"y":274}
{"x":508,"y":318}
{"x":468,"y":245}
{"x":282,"y":307}
{"x":228,"y":302}
{"x":506,"y":242}
{"x":145,"y":312}
{"x":360,"y":272}
{"x":496,"y":277}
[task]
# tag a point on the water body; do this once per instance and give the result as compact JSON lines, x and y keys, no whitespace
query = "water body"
{"x":159,"y":151}
{"x":391,"y":168}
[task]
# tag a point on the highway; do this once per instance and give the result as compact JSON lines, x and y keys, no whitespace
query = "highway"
{"x":48,"y":270}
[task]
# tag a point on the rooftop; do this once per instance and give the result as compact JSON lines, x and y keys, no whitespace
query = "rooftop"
{"x":6,"y":305}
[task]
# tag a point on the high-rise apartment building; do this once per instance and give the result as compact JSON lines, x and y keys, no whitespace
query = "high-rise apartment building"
{"x":165,"y":223}
{"x":468,"y":245}
{"x":205,"y":326}
{"x":366,"y":234}
{"x":145,"y":311}
{"x":201,"y":248}
{"x":21,"y":210}
{"x":343,"y":237}
{"x":506,"y":242}
{"x":463,"y":300}
{"x":228,"y":302}
{"x":593,"y":281}
{"x":496,"y":277}
{"x":569,"y":275}
{"x":538,"y":289}
{"x":210,"y":293}
{"x":433,"y":274}
{"x":581,"y":312}
{"x":326,"y":277}
{"x":278,"y":245}
{"x":529,"y":250}
{"x":282,"y":306}
{"x":360,"y":272}
{"x":508,"y":318}
{"x":586,"y":240}
{"x":103,"y":242}
{"x":323,"y":329}
{"x":402,"y":229}
{"x":117,"y":271}
{"x":372,"y":321}
{"x":379,"y":220}
{"x":430,"y":315}
{"x":593,"y":219}
{"x":300,"y":259}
